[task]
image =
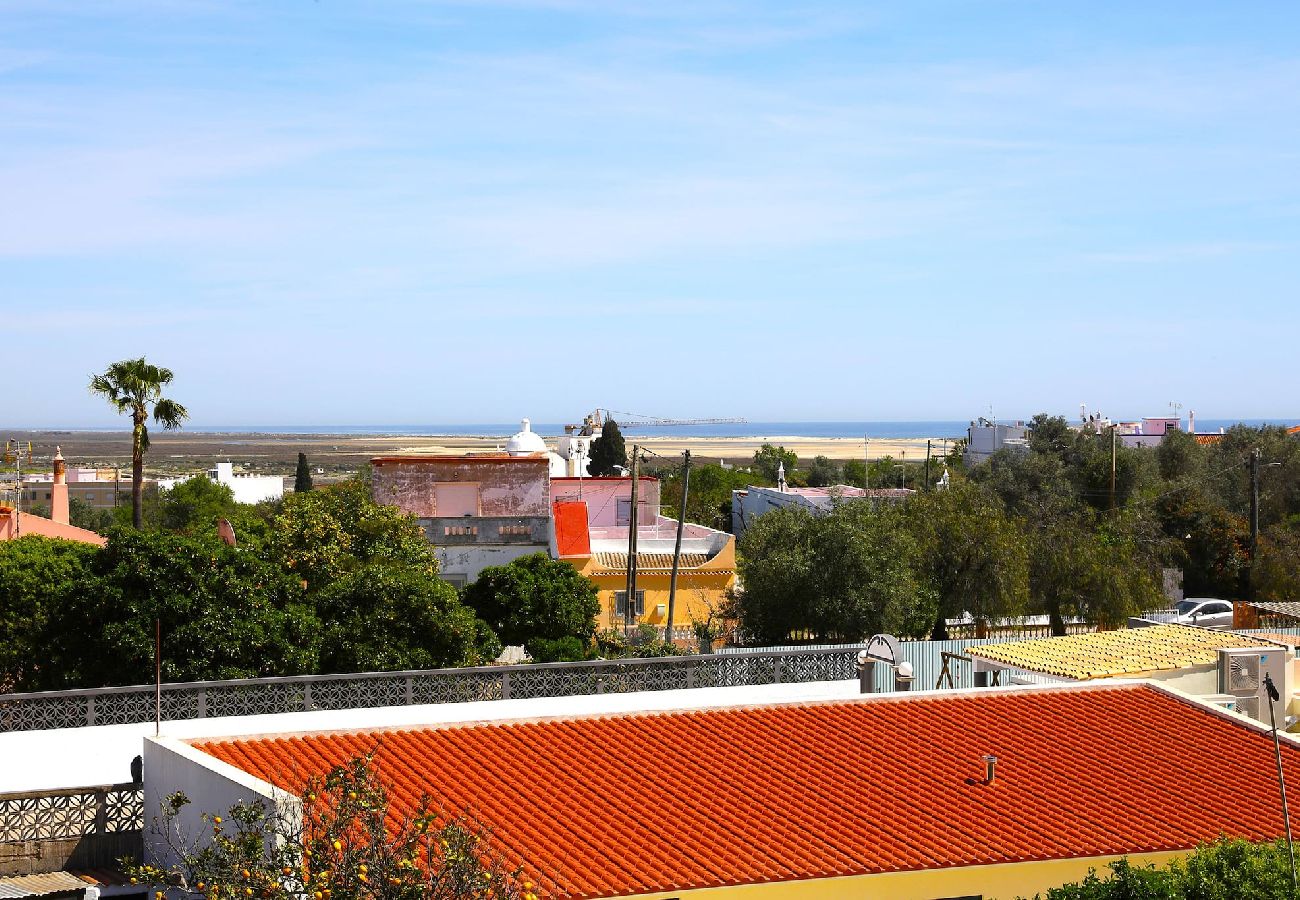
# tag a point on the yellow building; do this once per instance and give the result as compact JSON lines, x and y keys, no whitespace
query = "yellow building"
{"x":592,"y":526}
{"x":702,"y":585}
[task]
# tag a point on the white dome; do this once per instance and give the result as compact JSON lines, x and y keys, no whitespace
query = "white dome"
{"x":525,"y":442}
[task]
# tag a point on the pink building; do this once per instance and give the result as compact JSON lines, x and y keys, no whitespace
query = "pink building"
{"x":15,"y":524}
{"x":477,"y":511}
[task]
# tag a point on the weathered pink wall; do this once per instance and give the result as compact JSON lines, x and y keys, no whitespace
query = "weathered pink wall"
{"x":508,"y":485}
{"x":601,"y":496}
{"x":31,"y":524}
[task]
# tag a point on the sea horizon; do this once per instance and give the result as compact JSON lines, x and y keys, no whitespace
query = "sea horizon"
{"x":924,"y":428}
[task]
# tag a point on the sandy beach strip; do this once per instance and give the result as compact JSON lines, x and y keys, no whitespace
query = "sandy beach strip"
{"x":194,"y":451}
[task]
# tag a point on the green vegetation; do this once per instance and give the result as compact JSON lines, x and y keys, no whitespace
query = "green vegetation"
{"x":37,"y":575}
{"x":224,"y":614}
{"x":302,"y":476}
{"x":840,"y":576}
{"x":324,"y":581}
{"x":1031,"y":533}
{"x":134,"y":388}
{"x":348,"y":842}
{"x":768,"y":461}
{"x":709,"y":500}
{"x":539,"y":602}
{"x":608,"y":452}
{"x":385,"y":616}
{"x":1224,"y":870}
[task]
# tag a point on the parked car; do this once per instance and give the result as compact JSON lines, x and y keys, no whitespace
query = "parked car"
{"x":1204,"y":611}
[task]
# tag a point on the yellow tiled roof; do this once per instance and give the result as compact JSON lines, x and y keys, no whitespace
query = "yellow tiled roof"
{"x":1110,"y":654}
{"x":646,"y":561}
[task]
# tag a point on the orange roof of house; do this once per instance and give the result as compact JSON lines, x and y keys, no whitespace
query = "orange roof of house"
{"x":572,"y":535}
{"x":629,"y":804}
{"x":1293,"y":430}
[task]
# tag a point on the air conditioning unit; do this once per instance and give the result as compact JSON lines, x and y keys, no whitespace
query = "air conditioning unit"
{"x":1241,"y":676}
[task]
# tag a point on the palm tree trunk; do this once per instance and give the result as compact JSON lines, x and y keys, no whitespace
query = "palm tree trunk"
{"x":137,"y":470}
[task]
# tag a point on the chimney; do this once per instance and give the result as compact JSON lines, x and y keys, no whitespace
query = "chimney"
{"x":990,"y":768}
{"x":1191,"y":421}
{"x":59,"y":491}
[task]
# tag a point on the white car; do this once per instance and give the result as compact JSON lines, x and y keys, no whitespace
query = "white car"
{"x":1204,"y":611}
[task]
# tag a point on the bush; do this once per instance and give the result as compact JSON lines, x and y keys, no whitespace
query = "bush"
{"x":535,"y":597}
{"x":385,"y":617}
{"x":565,"y":649}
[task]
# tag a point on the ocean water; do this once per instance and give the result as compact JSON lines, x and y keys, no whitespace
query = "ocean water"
{"x":857,"y":430}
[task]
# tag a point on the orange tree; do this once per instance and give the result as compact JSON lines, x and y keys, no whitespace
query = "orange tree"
{"x":340,"y":841}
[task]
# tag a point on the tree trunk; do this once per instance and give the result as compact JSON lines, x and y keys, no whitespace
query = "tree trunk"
{"x":1058,"y":622}
{"x":940,"y":630}
{"x":137,"y":470}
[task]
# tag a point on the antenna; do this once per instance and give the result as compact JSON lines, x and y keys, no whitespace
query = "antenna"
{"x":157,"y":677}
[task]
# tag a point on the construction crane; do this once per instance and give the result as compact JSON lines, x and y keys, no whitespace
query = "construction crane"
{"x":627,"y":418}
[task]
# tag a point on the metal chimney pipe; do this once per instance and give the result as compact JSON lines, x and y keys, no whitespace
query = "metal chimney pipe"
{"x":990,"y":768}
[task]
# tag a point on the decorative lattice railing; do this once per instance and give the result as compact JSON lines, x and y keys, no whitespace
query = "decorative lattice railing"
{"x":262,"y":696}
{"x":71,"y":813}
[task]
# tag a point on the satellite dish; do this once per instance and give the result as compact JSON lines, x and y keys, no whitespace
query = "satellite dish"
{"x":885,"y":648}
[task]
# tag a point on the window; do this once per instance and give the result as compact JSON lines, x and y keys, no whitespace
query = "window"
{"x":623,"y":512}
{"x":620,"y":603}
{"x":453,"y":499}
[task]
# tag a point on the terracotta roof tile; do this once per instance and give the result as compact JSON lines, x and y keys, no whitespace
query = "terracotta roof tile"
{"x":617,"y":805}
{"x":1112,"y":654}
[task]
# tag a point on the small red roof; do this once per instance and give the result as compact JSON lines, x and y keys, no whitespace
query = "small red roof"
{"x":638,"y":803}
{"x":572,"y":537}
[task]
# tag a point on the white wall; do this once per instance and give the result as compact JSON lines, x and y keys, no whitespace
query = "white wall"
{"x":469,"y":560}
{"x":212,"y":787}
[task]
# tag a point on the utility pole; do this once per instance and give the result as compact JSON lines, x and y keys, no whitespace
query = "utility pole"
{"x":927,"y":466}
{"x":1112,"y":467}
{"x":1254,"y":522}
{"x":677,"y":549}
{"x":866,"y":463}
{"x":629,"y":618}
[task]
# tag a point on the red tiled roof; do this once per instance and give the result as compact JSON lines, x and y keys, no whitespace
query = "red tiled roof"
{"x":616,"y":805}
{"x":572,"y":535}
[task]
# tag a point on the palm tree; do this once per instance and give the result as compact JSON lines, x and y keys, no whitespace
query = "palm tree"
{"x":132,"y":385}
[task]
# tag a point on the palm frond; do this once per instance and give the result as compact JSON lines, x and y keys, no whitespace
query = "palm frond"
{"x":170,"y":413}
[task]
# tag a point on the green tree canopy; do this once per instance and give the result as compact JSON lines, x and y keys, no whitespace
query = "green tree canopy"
{"x":854,"y":472}
{"x":709,"y":500}
{"x":326,"y":533}
{"x":134,"y":387}
{"x":971,"y":555}
{"x":768,"y":460}
{"x":844,"y":575}
{"x":385,"y":617}
{"x":302,"y":476}
{"x":1098,"y":576}
{"x":36,"y":576}
{"x":535,"y":597}
{"x":1050,"y":435}
{"x":225,"y":614}
{"x":608,"y":452}
{"x":195,"y":505}
{"x":823,"y":472}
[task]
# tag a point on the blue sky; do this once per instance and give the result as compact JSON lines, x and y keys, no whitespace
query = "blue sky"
{"x":327,"y":212}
